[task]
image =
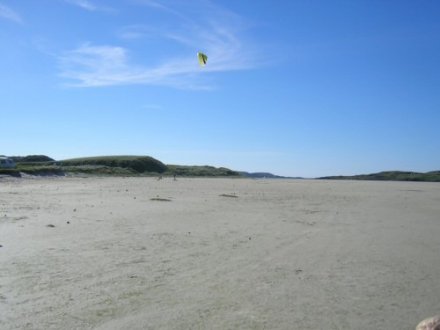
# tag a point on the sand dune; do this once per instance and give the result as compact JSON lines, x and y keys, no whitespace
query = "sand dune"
{"x":137,"y":253}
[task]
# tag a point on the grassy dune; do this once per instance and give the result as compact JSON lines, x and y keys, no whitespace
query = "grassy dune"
{"x":110,"y":166}
{"x":181,"y":170}
{"x":134,"y":164}
{"x":433,"y":176}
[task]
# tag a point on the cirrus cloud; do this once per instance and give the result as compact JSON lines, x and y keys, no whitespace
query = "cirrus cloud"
{"x":10,"y":14}
{"x":89,"y":5}
{"x":216,"y":31}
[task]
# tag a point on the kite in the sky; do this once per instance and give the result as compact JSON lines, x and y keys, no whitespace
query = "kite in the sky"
{"x":202,"y":58}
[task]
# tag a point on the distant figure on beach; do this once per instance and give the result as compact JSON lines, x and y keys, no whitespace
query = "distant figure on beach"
{"x":174,"y":177}
{"x":159,"y":177}
{"x":433,"y":323}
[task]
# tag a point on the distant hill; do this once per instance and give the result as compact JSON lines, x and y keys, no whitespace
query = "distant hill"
{"x":110,"y":166}
{"x":147,"y":166}
{"x":195,"y":171}
{"x":433,"y":176}
{"x":137,"y":164}
{"x":32,"y":165}
{"x":31,"y":159}
{"x":264,"y":175}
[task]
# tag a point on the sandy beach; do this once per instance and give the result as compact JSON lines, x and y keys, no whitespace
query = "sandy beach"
{"x":139,"y":253}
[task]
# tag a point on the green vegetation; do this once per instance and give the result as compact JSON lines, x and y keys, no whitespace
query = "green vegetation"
{"x":32,"y":159}
{"x":195,"y":171}
{"x":32,"y":170}
{"x":36,"y":169}
{"x":10,"y":172}
{"x":111,"y":166}
{"x":99,"y":170}
{"x":433,"y":176}
{"x":134,"y":164}
{"x":149,"y":166}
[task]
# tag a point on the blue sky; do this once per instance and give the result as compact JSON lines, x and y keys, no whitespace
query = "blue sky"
{"x":299,"y":88}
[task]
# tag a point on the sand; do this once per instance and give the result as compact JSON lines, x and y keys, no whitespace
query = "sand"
{"x":99,"y":253}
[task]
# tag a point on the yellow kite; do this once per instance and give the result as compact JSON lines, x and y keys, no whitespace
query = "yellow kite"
{"x":202,"y":58}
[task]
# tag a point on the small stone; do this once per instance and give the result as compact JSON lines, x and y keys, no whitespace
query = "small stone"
{"x":50,"y":226}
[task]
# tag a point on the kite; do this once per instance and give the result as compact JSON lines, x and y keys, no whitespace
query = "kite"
{"x":202,"y":59}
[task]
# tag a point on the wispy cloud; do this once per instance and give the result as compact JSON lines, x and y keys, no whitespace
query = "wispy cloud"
{"x":205,"y":27}
{"x":8,"y":13}
{"x":94,"y":66}
{"x":151,"y":3}
{"x":88,"y":5}
{"x":97,"y":66}
{"x":136,"y":31}
{"x":85,"y":4}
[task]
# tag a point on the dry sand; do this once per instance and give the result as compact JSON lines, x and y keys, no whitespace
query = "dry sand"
{"x":282,"y":254}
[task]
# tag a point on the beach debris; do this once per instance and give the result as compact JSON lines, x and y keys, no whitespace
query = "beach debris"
{"x":68,"y":222}
{"x":229,"y":195}
{"x":432,"y":323}
{"x":160,"y":199}
{"x":298,"y":271}
{"x":50,"y":225}
{"x":203,"y":59}
{"x":74,"y":210}
{"x":1,"y":245}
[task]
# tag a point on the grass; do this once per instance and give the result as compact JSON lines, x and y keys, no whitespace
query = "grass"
{"x":40,"y":169}
{"x":433,"y":176}
{"x":200,"y":171}
{"x":111,"y":166}
{"x":138,"y":164}
{"x":33,"y":170}
{"x":99,"y":170}
{"x":10,"y":171}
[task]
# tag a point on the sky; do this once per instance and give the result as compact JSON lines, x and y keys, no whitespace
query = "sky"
{"x":293,"y":87}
